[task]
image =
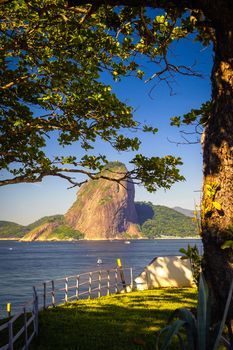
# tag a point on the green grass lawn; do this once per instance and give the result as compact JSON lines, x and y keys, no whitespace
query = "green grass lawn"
{"x":118,"y":322}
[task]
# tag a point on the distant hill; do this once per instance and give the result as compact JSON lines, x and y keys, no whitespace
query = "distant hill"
{"x":44,"y":220}
{"x":186,"y":212}
{"x":51,"y":228}
{"x":153,"y":221}
{"x":10,"y":229}
{"x":157,"y":221}
{"x":60,"y":230}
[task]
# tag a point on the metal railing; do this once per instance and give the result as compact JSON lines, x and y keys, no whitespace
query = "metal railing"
{"x":88,"y":285}
{"x":19,"y":330}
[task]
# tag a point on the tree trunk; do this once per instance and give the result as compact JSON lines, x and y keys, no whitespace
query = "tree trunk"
{"x":217,"y":202}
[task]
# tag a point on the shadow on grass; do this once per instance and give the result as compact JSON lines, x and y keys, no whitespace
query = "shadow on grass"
{"x":119,"y":322}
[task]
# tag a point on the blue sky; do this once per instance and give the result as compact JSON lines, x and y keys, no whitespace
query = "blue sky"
{"x":24,"y":203}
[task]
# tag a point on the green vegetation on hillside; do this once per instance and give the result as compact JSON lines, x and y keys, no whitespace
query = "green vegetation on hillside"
{"x":154,"y":220}
{"x":11,"y":230}
{"x":64,"y":232}
{"x":124,"y":321}
{"x":157,"y":220}
{"x":60,"y":229}
{"x":44,"y":220}
{"x":116,"y":167}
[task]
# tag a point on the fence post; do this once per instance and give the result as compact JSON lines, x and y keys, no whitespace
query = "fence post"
{"x":90,"y":281}
{"x":53,"y":293}
{"x":108,"y":282}
{"x":77,"y":287}
{"x":36,"y":308}
{"x":121,"y":273}
{"x":66,"y":289}
{"x":116,"y":281}
{"x":131,"y":278}
{"x":10,"y":332}
{"x":44,"y":296}
{"x":8,"y":309}
{"x":25,"y":329}
{"x":99,"y":284}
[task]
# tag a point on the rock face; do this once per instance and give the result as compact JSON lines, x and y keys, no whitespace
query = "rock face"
{"x":40,"y":233}
{"x":105,"y":209}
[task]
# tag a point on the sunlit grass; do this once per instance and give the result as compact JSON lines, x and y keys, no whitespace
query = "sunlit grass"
{"x":118,"y":322}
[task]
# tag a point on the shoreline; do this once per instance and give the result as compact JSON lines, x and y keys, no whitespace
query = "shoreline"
{"x":9,"y":239}
{"x":94,"y":240}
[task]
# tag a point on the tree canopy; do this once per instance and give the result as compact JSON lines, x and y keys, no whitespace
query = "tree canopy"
{"x":53,"y":55}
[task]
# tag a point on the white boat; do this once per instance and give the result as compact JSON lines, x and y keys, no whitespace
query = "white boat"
{"x":99,"y":261}
{"x":127,"y":242}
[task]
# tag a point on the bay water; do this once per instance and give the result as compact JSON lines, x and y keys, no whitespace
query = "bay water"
{"x":24,"y":264}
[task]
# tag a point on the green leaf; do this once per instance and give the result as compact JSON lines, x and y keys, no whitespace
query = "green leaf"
{"x":190,"y":325}
{"x":170,"y":331}
{"x":176,"y":121}
{"x":203,"y":313}
{"x":183,"y":251}
{"x":140,"y":74}
{"x":217,"y":205}
{"x":227,"y":244}
{"x":224,"y":318}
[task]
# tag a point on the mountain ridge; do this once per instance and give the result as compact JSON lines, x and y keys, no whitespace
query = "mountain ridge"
{"x":72,"y":234}
{"x":186,"y":212}
{"x":105,"y":210}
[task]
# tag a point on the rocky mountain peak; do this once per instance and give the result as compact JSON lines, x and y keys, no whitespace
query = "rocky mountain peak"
{"x":105,"y":209}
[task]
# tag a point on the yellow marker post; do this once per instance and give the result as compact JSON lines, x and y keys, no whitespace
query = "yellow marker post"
{"x":119,"y":264}
{"x":8,"y":309}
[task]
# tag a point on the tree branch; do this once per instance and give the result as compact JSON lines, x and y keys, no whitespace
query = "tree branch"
{"x":18,"y":80}
{"x":59,"y":172}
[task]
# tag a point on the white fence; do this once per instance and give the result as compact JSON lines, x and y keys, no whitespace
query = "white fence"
{"x":86,"y":285}
{"x":17,"y":332}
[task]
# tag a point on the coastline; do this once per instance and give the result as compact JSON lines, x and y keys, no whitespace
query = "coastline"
{"x":94,"y":240}
{"x":9,"y":239}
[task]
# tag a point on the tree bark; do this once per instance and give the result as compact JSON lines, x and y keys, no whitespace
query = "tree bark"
{"x":217,"y":203}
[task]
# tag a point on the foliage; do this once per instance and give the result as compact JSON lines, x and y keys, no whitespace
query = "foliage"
{"x":105,"y":200}
{"x":227,"y":244}
{"x":197,"y":218}
{"x":61,"y":230}
{"x":115,"y":166}
{"x":123,"y":321}
{"x":52,"y":59}
{"x":64,"y":232}
{"x":198,"y":333}
{"x":45,"y":219}
{"x":210,"y":205}
{"x":11,"y":230}
{"x":161,"y":221}
{"x":197,"y":117}
{"x":195,"y":258}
